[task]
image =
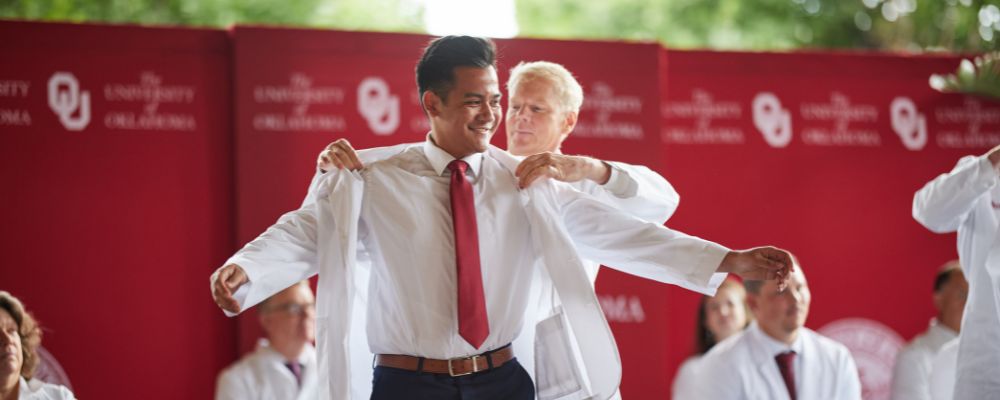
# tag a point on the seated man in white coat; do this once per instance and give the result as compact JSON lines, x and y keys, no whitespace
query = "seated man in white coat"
{"x":777,"y":357}
{"x":967,"y":200}
{"x":913,"y":363}
{"x":284,"y":365}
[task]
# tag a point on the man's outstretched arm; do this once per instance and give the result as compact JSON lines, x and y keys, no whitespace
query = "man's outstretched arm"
{"x":944,"y":202}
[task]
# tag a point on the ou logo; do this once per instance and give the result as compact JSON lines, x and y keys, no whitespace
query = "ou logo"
{"x":378,"y":106}
{"x":65,"y":98}
{"x":910,"y":125}
{"x":773,"y":122}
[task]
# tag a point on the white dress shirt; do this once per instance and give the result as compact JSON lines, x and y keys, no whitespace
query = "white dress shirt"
{"x":967,"y":200}
{"x":405,"y":225}
{"x":407,"y":228}
{"x":913,"y":363}
{"x":37,"y":390}
{"x":744,"y":367}
{"x":263,"y":375}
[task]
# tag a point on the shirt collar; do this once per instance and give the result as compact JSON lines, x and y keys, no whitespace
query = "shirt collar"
{"x":440,"y":159}
{"x":939,"y":328}
{"x":773,"y":346}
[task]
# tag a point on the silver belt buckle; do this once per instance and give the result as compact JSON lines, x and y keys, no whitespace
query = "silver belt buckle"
{"x":475,"y":365}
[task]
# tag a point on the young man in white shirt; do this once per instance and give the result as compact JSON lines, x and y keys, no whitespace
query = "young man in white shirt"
{"x":457,"y":250}
{"x":913,"y":364}
{"x":967,"y":200}
{"x":777,"y":357}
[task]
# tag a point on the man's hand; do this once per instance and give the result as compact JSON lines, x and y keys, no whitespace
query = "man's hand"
{"x":561,"y":167}
{"x":994,"y":156}
{"x":225,"y":281}
{"x":760,"y":263}
{"x":339,"y":154}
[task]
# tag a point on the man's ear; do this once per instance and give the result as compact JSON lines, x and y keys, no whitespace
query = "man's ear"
{"x":752,"y":303}
{"x":568,"y":123}
{"x":432,"y":103}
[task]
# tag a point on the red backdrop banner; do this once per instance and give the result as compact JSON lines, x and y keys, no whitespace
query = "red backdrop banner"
{"x":116,"y":164}
{"x":821,"y":154}
{"x":134,"y":157}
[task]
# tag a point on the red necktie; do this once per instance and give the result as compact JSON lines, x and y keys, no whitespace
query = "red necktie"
{"x":473,"y":325}
{"x":787,"y":372}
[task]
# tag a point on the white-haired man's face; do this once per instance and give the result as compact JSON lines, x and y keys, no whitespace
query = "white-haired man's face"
{"x":536,"y":122}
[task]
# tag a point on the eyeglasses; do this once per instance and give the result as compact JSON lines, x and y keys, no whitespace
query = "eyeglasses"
{"x":293,"y":308}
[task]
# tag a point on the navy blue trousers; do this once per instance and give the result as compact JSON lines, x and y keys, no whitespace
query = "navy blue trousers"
{"x":509,"y":382}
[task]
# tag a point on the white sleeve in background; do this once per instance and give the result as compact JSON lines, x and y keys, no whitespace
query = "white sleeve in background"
{"x":649,"y":250}
{"x":943,"y":203}
{"x":636,"y":190}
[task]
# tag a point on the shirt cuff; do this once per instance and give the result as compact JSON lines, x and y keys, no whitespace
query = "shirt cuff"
{"x":620,"y":184}
{"x":987,"y":175}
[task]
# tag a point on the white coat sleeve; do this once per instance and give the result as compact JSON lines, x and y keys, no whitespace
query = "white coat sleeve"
{"x":281,"y":256}
{"x":231,"y":387}
{"x":638,"y":191}
{"x":685,"y":381}
{"x":944,"y":203}
{"x":285,"y":253}
{"x":646,"y":249}
{"x":718,"y":378}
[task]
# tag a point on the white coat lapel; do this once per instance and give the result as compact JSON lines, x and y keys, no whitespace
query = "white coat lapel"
{"x":338,"y":208}
{"x":580,"y":319}
{"x":769,"y":383}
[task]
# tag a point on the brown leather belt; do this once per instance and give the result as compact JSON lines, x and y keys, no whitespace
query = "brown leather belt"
{"x":453,"y":367}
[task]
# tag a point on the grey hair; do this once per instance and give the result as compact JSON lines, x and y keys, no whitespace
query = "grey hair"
{"x":567,"y":88}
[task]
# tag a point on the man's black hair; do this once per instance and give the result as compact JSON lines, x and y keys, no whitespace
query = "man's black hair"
{"x":436,"y":68}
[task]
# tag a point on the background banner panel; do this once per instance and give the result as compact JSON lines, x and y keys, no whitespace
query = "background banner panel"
{"x":618,"y":121}
{"x":298,"y":90}
{"x":821,"y":154}
{"x":117,"y":159}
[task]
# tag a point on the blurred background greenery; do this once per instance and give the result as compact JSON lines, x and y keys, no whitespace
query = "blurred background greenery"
{"x":892,"y":25}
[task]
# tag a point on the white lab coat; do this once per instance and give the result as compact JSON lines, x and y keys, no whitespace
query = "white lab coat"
{"x":741,"y":367}
{"x":686,"y":382}
{"x":262,"y":375}
{"x":35,"y":389}
{"x":575,"y":355}
{"x":913,"y":363}
{"x":967,"y":200}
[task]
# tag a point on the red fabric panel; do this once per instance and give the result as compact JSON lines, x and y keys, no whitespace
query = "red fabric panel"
{"x":838,"y":194}
{"x":110,"y":232}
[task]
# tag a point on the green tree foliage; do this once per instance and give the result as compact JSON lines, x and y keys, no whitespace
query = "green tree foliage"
{"x":912,"y":25}
{"x":376,"y":15}
{"x":908,"y":25}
